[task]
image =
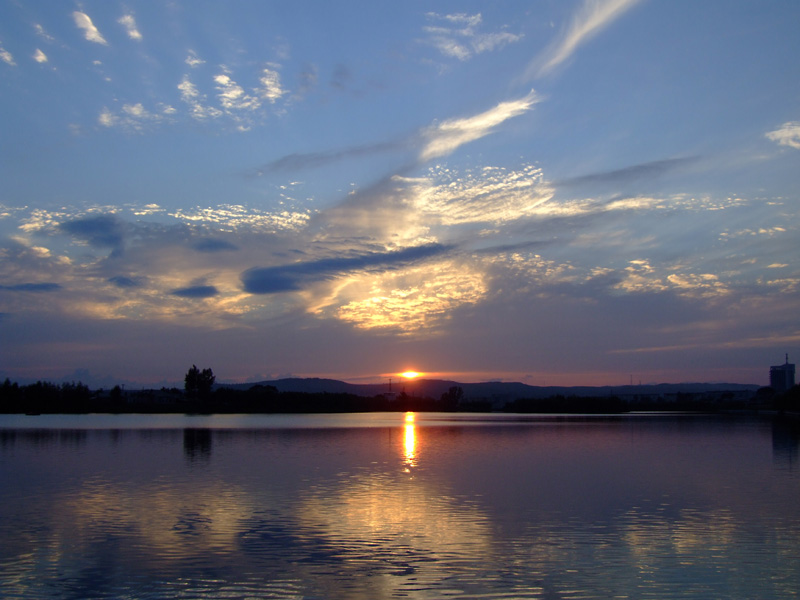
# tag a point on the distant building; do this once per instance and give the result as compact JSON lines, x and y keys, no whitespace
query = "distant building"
{"x":781,"y":377}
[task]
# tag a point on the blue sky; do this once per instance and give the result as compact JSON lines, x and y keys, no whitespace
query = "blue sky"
{"x":576,"y":192}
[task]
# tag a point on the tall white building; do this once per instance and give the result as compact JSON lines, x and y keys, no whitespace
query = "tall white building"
{"x":781,"y":377}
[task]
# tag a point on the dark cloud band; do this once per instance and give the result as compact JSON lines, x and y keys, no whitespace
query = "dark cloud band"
{"x":104,"y":231}
{"x":311,"y":160}
{"x":32,"y":287}
{"x":633,"y":173}
{"x":197,"y":291}
{"x":288,"y":278}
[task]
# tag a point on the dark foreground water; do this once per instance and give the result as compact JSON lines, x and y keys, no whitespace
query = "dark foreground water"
{"x":382,"y":506}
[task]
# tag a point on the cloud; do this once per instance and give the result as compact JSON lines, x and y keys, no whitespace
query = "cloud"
{"x":234,"y":101}
{"x":90,"y":32}
{"x":458,"y":38}
{"x":579,"y":263}
{"x":787,"y":134}
{"x":293,"y":277}
{"x":163,"y":253}
{"x":590,"y":20}
{"x":134,"y":117}
{"x":459,"y":18}
{"x":703,"y":285}
{"x":193,"y":60}
{"x":39,"y":56}
{"x":446,"y":137}
{"x":214,"y":245}
{"x":197,"y":291}
{"x":490,"y":41}
{"x":384,"y":213}
{"x":232,"y":96}
{"x":32,"y":287}
{"x":299,"y":161}
{"x":6,"y":57}
{"x":409,"y":299}
{"x":271,"y":89}
{"x":192,"y":97}
{"x":638,"y":172}
{"x":238,"y":217}
{"x":129,"y":23}
{"x":489,"y":195}
{"x":42,"y":33}
{"x":124,"y":282}
{"x":102,"y":231}
{"x":308,"y":78}
{"x":640,"y":276}
{"x":341,"y":77}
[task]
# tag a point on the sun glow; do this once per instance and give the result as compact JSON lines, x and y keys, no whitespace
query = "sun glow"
{"x":410,"y":374}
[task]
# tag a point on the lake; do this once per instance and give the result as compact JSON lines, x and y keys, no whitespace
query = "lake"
{"x":393,"y":505}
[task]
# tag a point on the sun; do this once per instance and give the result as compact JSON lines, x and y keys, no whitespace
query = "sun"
{"x":410,"y":374}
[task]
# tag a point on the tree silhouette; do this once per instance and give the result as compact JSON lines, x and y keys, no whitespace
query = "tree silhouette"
{"x":452,"y":397}
{"x":198,"y":383}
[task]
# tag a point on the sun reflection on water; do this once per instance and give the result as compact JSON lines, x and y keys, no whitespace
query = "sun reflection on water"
{"x":410,"y":441}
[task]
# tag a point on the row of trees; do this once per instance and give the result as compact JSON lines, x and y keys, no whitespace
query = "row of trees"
{"x":200,"y":395}
{"x":44,"y":397}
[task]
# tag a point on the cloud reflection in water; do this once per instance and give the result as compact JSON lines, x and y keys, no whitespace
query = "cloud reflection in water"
{"x":401,"y":504}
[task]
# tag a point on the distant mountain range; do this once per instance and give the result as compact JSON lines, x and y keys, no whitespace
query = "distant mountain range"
{"x":490,"y":390}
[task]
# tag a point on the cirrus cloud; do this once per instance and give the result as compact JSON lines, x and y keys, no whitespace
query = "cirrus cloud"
{"x":590,"y":20}
{"x":457,"y":35}
{"x":448,"y":136}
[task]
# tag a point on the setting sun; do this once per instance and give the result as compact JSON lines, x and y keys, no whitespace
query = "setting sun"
{"x":410,"y":374}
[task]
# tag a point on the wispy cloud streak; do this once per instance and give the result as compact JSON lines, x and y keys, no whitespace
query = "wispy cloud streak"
{"x":32,"y":287}
{"x":628,"y":174}
{"x":590,"y":20}
{"x":435,"y":141}
{"x":312,"y":160}
{"x":446,"y":137}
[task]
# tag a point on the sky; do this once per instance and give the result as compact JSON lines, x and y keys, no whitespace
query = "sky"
{"x":571,"y":192}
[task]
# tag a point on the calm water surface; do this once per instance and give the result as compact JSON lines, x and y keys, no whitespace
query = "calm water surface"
{"x":390,"y":505}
